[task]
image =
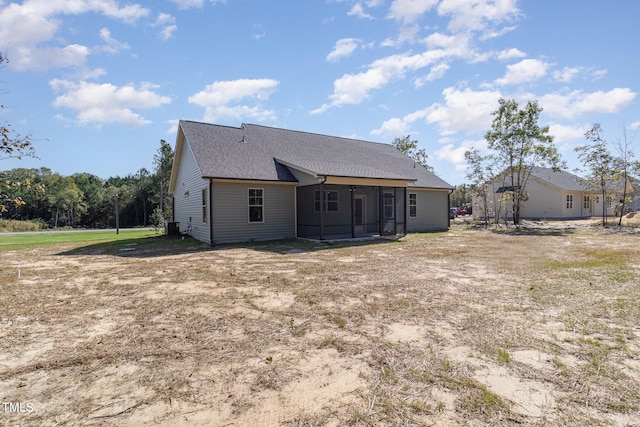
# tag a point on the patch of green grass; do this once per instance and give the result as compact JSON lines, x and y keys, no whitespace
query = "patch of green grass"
{"x":332,"y":342}
{"x":420,"y":407}
{"x":623,"y":276}
{"x":33,"y":240}
{"x":484,"y":401}
{"x":389,"y":375}
{"x":593,"y":258}
{"x":503,"y":356}
{"x":340,"y":321}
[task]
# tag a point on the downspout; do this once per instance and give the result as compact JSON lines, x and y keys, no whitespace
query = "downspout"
{"x":395,"y":210}
{"x":352,"y":189}
{"x":321,"y":236}
{"x":380,"y":211}
{"x":448,"y":207}
{"x":210,"y":212}
{"x":295,"y":211}
{"x":406,"y":208}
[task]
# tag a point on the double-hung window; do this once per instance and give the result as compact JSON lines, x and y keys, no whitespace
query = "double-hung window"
{"x":204,"y":205}
{"x":256,"y":205}
{"x":413,"y":205}
{"x":587,"y":202}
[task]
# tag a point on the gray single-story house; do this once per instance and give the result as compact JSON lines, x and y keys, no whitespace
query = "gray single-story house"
{"x":250,"y":183}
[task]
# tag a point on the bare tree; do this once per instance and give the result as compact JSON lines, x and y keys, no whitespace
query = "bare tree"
{"x":625,"y":163}
{"x":480,"y":173}
{"x":600,"y":166}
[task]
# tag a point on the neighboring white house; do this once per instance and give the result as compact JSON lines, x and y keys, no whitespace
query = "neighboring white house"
{"x":550,"y":195}
{"x":255,"y":182}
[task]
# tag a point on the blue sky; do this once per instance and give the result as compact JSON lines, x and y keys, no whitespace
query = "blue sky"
{"x":98,"y":83}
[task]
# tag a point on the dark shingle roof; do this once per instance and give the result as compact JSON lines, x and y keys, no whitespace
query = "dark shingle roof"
{"x":260,"y":152}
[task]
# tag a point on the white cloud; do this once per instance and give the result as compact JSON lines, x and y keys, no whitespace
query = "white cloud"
{"x":598,"y":74}
{"x":49,"y":57}
{"x":190,"y":4}
{"x":113,"y":46}
{"x":408,"y":11}
{"x":436,"y":73}
{"x":355,"y":88}
{"x":106,"y":103}
{"x":566,"y":74}
{"x":477,"y":15}
{"x":167,"y":26}
{"x":400,"y":126}
{"x":576,"y":103}
{"x":464,"y":111}
{"x":220,"y":99}
{"x":499,"y":32}
{"x":510,"y":54}
{"x":358,"y":11}
{"x":28,"y":25}
{"x":455,"y":155}
{"x":524,"y":71}
{"x":343,"y":49}
{"x":564,"y":135}
{"x":173,"y":128}
{"x":167,"y":32}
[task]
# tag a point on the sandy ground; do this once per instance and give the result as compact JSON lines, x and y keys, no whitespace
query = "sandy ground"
{"x":470,"y":327}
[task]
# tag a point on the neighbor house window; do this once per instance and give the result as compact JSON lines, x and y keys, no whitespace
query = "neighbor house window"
{"x":330,"y":201}
{"x":413,"y":205}
{"x":569,"y":201}
{"x":256,"y":205}
{"x":204,"y":205}
{"x":587,"y":202}
{"x":609,"y":201}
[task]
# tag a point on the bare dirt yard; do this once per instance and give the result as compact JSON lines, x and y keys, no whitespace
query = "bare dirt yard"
{"x":539,"y":327}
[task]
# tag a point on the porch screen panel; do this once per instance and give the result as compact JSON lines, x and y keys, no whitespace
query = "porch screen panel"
{"x":388,"y":212}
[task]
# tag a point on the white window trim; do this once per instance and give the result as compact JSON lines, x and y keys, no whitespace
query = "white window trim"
{"x":249,"y":206}
{"x":416,"y":205}
{"x":569,"y":201}
{"x":205,"y":211}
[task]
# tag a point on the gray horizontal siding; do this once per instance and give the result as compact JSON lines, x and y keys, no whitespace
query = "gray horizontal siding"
{"x":231,"y":213}
{"x":432,"y":211}
{"x":188,"y":196}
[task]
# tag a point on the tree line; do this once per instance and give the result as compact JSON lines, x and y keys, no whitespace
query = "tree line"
{"x":86,"y":200}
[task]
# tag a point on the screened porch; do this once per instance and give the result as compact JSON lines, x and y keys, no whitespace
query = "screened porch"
{"x":330,"y":211}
